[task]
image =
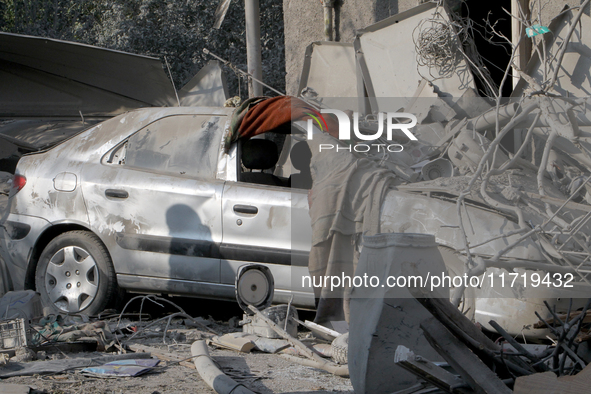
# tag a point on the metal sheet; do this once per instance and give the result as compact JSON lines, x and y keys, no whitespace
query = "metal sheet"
{"x":574,"y":79}
{"x":130,"y":76}
{"x":30,"y":92}
{"x":330,"y":69}
{"x":387,"y":57}
{"x":206,"y":89}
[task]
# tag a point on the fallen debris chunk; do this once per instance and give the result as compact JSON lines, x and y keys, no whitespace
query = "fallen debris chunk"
{"x":272,"y":346}
{"x":23,"y":355}
{"x":343,"y":369}
{"x":4,"y":359}
{"x":323,"y":349}
{"x":547,"y":383}
{"x":120,"y":368}
{"x":211,"y":374}
{"x":238,"y":341}
{"x":257,"y":326}
{"x":321,"y":363}
{"x":319,"y":331}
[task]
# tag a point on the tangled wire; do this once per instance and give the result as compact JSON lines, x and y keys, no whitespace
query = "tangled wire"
{"x":441,"y":44}
{"x":437,"y":47}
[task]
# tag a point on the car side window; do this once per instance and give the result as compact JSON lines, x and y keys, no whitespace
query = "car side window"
{"x":278,"y":160}
{"x":181,"y":144}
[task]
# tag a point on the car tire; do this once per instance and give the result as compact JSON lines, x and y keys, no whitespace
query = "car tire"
{"x":75,"y":274}
{"x":340,"y":349}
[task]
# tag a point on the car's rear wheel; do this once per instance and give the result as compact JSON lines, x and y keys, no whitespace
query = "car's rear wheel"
{"x":75,"y":274}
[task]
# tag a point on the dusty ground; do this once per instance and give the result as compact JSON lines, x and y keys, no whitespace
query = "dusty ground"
{"x":262,"y":373}
{"x":273,"y":374}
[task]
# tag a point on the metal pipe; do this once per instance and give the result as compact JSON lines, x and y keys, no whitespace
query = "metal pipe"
{"x":211,"y":374}
{"x":328,"y":19}
{"x":236,"y":69}
{"x":253,"y":46}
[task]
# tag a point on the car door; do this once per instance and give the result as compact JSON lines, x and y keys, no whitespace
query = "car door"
{"x":269,"y":225}
{"x":155,"y":202}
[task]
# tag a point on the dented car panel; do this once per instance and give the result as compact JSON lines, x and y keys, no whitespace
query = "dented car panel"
{"x":267,"y":224}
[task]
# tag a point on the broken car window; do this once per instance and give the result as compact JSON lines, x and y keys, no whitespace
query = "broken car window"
{"x":183,"y":145}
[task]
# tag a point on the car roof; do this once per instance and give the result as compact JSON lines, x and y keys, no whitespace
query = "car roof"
{"x":101,"y":137}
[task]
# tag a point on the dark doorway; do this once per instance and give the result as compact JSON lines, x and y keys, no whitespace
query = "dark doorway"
{"x":495,"y":51}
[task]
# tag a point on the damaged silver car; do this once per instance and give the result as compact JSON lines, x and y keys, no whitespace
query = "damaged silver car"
{"x":151,"y":202}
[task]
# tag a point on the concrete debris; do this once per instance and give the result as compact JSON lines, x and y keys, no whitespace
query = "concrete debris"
{"x":23,"y":355}
{"x":239,"y":341}
{"x":547,"y":383}
{"x":256,"y":325}
{"x":483,"y":188}
{"x":318,"y":361}
{"x":320,"y":331}
{"x":4,"y":358}
{"x":133,"y":351}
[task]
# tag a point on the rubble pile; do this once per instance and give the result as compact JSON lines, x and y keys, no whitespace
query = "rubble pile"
{"x":500,"y":185}
{"x":76,"y":350}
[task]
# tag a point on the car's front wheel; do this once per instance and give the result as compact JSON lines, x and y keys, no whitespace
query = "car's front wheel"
{"x":75,"y":274}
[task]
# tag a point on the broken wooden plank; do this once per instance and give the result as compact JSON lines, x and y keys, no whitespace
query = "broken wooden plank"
{"x":430,"y":372}
{"x":454,"y":320}
{"x":162,"y":355}
{"x":563,"y":317}
{"x":462,"y":360}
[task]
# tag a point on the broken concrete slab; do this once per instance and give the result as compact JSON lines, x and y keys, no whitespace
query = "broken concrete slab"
{"x":547,"y":383}
{"x":239,"y":341}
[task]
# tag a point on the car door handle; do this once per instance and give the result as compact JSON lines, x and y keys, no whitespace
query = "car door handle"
{"x":248,"y":209}
{"x":116,"y":193}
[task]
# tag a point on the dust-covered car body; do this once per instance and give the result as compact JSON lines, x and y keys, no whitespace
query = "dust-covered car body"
{"x":160,"y":192}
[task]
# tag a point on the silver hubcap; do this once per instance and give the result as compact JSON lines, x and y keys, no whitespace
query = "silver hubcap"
{"x":72,"y":279}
